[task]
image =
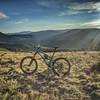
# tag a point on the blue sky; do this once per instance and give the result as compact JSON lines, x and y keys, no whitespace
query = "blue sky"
{"x":36,"y":15}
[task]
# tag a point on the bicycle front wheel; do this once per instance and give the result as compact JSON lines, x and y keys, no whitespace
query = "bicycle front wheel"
{"x":28,"y":65}
{"x":61,"y":67}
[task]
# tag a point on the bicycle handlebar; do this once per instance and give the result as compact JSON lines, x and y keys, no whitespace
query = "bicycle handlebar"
{"x":36,"y":48}
{"x":55,"y":48}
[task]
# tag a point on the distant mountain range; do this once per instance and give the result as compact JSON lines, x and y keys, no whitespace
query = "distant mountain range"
{"x":74,"y":39}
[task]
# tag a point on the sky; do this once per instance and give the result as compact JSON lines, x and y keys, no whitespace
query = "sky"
{"x":37,"y":15}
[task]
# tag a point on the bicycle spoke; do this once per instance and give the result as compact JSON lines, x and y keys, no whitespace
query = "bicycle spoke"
{"x":28,"y":65}
{"x":61,"y":66}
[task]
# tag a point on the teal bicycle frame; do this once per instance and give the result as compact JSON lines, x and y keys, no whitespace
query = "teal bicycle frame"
{"x":47,"y":59}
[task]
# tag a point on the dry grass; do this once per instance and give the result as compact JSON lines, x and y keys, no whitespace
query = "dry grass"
{"x":83,"y":83}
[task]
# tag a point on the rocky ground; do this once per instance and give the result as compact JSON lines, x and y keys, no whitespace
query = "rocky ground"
{"x":83,"y":83}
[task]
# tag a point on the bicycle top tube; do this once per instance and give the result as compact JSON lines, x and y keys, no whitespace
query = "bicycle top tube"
{"x":41,"y":52}
{"x":39,"y":48}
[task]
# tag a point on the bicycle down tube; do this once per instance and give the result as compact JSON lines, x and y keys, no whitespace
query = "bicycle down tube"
{"x":48,"y":63}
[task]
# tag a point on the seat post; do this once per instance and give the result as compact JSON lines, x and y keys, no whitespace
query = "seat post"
{"x":54,"y":52}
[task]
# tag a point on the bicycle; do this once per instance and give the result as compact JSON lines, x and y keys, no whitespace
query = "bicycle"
{"x":60,"y":66}
{"x":6,"y":65}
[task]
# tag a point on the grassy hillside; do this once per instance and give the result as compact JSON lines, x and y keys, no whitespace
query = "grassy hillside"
{"x":83,"y":83}
{"x":3,"y":49}
{"x":73,"y":39}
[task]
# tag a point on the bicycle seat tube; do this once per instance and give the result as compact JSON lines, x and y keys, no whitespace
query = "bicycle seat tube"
{"x":54,"y":53}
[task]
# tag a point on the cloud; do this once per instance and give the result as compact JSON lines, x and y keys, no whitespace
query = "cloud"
{"x":53,"y":4}
{"x":96,"y":5}
{"x":74,"y":25}
{"x":94,"y":23}
{"x":3,"y":16}
{"x":69,"y":12}
{"x":85,"y":6}
{"x":43,"y":3}
{"x":26,"y":20}
{"x":18,"y":22}
{"x":81,"y":8}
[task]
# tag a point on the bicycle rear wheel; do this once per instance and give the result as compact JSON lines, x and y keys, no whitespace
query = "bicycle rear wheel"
{"x":28,"y":65}
{"x":61,"y":67}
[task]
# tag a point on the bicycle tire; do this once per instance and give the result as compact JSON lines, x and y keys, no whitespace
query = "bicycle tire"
{"x":32,"y":60}
{"x":67,"y":72}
